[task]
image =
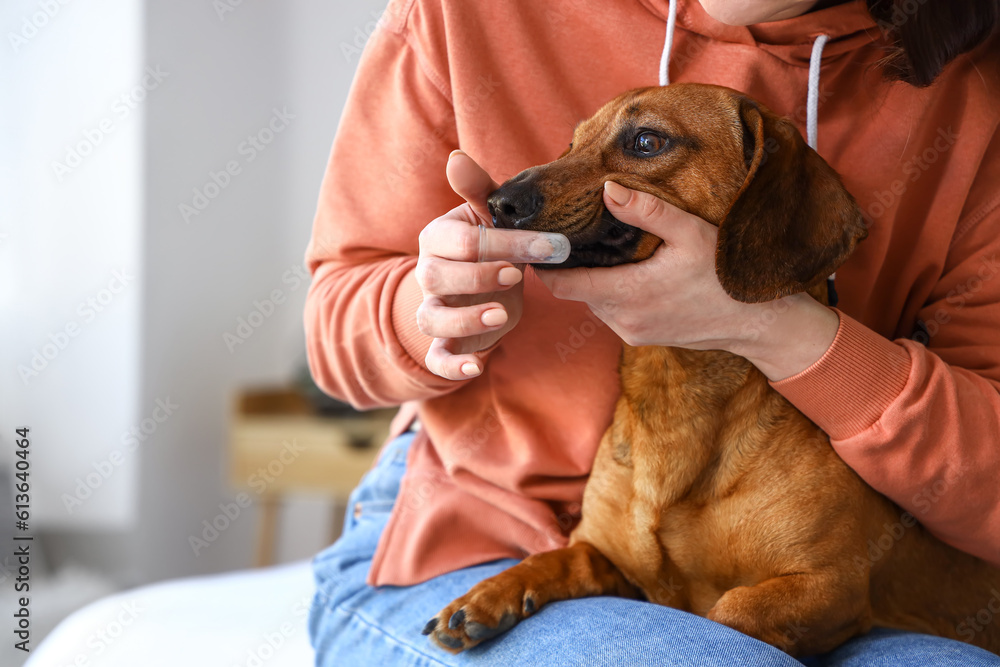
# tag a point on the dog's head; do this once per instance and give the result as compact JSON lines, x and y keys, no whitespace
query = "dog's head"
{"x":785,"y":219}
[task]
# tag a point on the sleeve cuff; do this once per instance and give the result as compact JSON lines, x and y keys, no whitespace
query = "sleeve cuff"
{"x":852,"y":385}
{"x":405,"y":302}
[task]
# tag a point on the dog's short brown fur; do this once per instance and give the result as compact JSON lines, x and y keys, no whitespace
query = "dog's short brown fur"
{"x":710,"y":492}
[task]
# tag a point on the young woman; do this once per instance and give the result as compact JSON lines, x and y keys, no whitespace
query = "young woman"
{"x":513,"y":375}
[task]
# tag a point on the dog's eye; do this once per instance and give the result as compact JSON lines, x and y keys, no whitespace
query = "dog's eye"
{"x":648,"y":143}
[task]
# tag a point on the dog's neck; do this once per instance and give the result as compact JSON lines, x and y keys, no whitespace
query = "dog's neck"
{"x":664,"y":380}
{"x":656,"y":378}
{"x":681,"y":402}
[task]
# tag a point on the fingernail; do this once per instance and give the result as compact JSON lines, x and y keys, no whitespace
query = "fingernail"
{"x":509,"y":276}
{"x":619,"y":194}
{"x":470,"y":369}
{"x":494,"y":317}
{"x":457,"y":151}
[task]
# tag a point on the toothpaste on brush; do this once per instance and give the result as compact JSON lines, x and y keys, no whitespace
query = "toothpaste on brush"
{"x":522,"y":246}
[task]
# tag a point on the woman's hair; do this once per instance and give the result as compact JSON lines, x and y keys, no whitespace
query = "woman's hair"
{"x":929,"y":34}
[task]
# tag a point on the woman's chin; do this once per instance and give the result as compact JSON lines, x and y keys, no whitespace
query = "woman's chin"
{"x":750,"y":12}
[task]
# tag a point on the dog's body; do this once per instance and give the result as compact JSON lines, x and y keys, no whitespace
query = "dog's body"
{"x":710,"y":492}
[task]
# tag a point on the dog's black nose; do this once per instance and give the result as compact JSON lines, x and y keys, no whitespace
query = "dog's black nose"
{"x":516,"y":204}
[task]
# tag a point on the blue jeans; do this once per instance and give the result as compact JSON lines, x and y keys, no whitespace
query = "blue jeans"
{"x":354,"y":625}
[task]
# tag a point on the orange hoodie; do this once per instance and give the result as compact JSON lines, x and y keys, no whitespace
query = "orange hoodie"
{"x":909,"y":390}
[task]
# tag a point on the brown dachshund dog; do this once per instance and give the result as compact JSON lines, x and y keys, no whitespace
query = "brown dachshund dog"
{"x":710,"y":492}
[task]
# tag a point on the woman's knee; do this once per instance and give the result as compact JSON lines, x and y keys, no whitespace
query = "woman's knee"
{"x":614,"y":631}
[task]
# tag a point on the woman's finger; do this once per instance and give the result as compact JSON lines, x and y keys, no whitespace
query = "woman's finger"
{"x":522,"y":246}
{"x":450,"y":238}
{"x":441,"y":361}
{"x":438,"y":320}
{"x":645,"y":211}
{"x":444,"y":277}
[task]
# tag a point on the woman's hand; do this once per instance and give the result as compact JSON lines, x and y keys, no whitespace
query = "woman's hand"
{"x":674,"y":298}
{"x":468,"y":305}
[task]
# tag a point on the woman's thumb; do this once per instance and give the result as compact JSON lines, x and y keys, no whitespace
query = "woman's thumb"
{"x":639,"y":209}
{"x":471,"y":183}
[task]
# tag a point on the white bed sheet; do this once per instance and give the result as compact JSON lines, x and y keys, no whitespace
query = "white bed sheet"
{"x":249,"y":618}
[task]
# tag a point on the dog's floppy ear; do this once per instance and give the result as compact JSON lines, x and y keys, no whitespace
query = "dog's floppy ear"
{"x":792,"y":223}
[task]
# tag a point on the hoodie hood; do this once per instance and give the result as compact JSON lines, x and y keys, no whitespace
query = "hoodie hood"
{"x":849,"y":26}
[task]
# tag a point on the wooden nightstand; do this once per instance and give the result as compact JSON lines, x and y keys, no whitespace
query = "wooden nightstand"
{"x":278,"y":444}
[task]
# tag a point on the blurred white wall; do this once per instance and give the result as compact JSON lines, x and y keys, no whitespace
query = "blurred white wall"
{"x":224,"y":223}
{"x":71,"y":267}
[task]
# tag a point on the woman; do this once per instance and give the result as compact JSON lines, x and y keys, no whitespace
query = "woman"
{"x":904,"y":376}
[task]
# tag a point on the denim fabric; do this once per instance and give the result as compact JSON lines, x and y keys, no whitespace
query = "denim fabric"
{"x":354,"y":625}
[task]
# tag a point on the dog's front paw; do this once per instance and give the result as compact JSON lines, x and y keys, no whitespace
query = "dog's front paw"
{"x":492,"y":607}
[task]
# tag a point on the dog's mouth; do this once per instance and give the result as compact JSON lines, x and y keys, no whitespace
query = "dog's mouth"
{"x":596,"y":237}
{"x":605,"y":242}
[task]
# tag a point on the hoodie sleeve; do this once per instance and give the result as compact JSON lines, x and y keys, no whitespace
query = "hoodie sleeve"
{"x":385,"y":181}
{"x":921,"y":423}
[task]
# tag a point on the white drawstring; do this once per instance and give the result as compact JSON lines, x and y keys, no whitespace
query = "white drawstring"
{"x":812,"y":103}
{"x":668,"y":44}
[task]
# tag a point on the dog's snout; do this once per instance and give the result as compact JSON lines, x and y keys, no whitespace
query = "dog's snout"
{"x":515,"y":205}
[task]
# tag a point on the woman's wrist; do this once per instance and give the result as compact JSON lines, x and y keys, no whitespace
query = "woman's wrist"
{"x":787,"y":336}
